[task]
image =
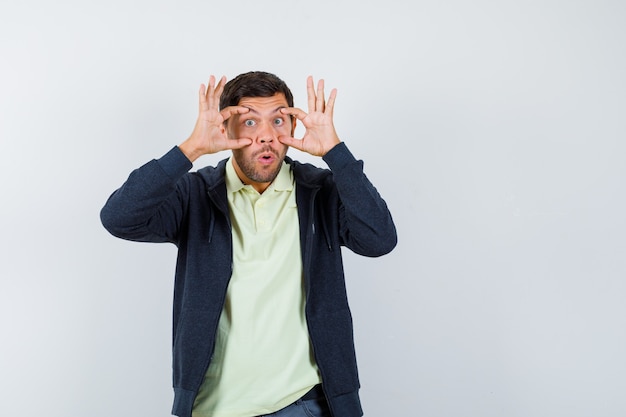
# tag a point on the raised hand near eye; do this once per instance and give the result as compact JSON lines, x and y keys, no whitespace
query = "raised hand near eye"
{"x":209,"y":134}
{"x":320,"y":135}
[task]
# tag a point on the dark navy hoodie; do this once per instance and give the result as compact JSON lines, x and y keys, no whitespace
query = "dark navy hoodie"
{"x":163,"y":201}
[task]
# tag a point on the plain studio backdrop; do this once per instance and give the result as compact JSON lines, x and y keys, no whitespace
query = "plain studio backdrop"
{"x":495,"y":131}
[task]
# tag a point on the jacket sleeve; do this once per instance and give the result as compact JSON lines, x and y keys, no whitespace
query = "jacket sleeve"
{"x":149,"y":206}
{"x":366,"y":225}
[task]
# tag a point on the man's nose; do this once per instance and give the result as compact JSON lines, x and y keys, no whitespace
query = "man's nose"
{"x":267,"y":133}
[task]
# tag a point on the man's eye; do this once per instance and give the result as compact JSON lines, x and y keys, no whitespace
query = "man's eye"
{"x":249,"y":123}
{"x":278,"y":122}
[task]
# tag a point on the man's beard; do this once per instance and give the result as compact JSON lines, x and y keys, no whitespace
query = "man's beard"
{"x":249,"y":166}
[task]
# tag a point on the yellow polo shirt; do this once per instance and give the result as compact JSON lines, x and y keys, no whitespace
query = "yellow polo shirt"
{"x":263,"y":359}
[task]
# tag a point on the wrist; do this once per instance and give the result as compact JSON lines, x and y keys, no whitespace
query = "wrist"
{"x":332,"y":146}
{"x":191,"y":151}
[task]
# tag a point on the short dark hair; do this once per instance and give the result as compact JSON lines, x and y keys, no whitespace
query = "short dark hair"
{"x":253,"y":84}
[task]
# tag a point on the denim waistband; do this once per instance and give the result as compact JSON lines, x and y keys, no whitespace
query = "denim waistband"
{"x":314,"y":393}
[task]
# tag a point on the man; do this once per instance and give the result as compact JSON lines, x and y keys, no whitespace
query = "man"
{"x":261,"y":318}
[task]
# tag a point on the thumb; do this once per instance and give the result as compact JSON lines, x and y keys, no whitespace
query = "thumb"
{"x":238,"y":143}
{"x":290,"y":141}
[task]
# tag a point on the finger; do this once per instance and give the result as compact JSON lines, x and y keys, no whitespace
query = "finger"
{"x":232,"y":110}
{"x":290,"y":141}
{"x":310,"y":91}
{"x":210,"y":85}
{"x":294,"y":111}
{"x":202,"y":98}
{"x":238,"y":143}
{"x":319,"y":105}
{"x":330,"y":105}
{"x":216,"y":92}
{"x":206,"y":92}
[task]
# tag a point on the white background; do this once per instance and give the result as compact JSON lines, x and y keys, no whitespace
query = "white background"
{"x":494,"y":130}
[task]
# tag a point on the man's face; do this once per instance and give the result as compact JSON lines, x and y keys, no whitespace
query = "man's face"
{"x":259,"y":163}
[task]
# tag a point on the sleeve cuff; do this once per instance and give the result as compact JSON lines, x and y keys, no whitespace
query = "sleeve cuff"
{"x":175,"y":163}
{"x":338,"y":157}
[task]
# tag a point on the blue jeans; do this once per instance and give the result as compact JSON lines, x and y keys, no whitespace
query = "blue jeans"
{"x":304,"y":408}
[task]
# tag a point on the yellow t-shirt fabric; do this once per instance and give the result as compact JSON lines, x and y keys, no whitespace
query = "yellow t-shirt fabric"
{"x":263,"y":359}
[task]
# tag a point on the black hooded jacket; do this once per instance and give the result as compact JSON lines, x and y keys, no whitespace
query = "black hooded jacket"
{"x":163,"y":202}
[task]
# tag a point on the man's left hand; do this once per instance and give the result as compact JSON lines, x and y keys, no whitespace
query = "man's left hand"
{"x":320,"y":135}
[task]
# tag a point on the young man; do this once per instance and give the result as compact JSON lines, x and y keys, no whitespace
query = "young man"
{"x":261,"y":318}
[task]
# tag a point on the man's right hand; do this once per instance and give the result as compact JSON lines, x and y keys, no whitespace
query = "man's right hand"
{"x":209,"y":134}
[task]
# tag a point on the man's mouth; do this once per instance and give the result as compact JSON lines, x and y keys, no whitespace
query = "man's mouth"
{"x":266,"y":158}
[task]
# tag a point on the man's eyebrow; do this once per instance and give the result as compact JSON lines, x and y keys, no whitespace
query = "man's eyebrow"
{"x":276,"y":110}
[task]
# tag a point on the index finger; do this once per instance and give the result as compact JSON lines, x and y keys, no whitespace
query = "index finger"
{"x":294,"y":111}
{"x":230,"y":111}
